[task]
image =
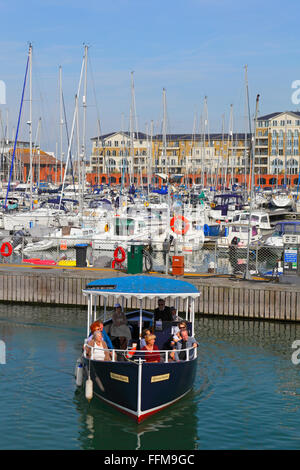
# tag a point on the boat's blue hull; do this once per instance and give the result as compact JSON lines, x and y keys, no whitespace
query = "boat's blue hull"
{"x":141,"y":390}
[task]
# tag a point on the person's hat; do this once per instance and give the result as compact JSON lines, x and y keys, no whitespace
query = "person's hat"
{"x":117,"y":305}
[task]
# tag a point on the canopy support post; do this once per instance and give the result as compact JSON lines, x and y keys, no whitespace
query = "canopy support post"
{"x":104,"y":304}
{"x":141,"y":318}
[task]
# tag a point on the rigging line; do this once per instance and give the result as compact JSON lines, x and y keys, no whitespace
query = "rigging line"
{"x":42,"y":100}
{"x":16,"y":137}
{"x":68,"y":140}
{"x":95,"y":96}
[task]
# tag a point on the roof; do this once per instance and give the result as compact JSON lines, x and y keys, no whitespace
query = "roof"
{"x":177,"y":137}
{"x":42,"y":157}
{"x":136,"y":135}
{"x":142,"y":286}
{"x":266,"y":117}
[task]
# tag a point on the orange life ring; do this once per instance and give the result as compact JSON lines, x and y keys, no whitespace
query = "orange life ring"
{"x":131,"y":352}
{"x":6,"y":246}
{"x":175,"y":229}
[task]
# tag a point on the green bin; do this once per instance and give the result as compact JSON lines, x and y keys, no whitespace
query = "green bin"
{"x":135,"y":259}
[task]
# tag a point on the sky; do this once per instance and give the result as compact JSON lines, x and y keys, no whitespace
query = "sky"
{"x":190,"y":48}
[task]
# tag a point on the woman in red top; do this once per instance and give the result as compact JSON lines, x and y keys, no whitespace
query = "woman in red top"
{"x":151,"y":354}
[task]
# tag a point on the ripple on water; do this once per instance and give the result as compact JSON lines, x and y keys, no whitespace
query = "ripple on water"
{"x":246,"y":394}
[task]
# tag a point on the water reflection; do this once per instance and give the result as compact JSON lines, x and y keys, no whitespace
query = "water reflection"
{"x":102,"y":427}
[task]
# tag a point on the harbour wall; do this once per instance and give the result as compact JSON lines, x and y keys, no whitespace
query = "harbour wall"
{"x":219,"y":296}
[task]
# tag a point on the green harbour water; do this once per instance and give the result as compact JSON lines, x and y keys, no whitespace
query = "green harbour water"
{"x":246,"y":393}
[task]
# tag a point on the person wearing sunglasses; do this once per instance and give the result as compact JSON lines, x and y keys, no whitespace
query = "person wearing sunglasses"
{"x":162,"y":312}
{"x":186,"y":342}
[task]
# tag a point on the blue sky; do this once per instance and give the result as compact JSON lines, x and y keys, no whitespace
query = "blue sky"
{"x":192,"y":48}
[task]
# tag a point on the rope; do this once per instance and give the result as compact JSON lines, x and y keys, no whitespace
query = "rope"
{"x":15,"y":143}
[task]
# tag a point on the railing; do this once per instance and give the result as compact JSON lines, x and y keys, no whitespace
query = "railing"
{"x":209,"y":258}
{"x":119,"y":355}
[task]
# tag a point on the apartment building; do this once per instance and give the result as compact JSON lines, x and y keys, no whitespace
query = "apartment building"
{"x":216,"y":157}
{"x":277,"y":145}
{"x":188,"y":155}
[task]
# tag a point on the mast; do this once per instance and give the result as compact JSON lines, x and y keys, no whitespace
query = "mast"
{"x":123,"y":151}
{"x":193,"y":156}
{"x":61,"y":123}
{"x":151,"y":152}
{"x":231,"y":141}
{"x":247,"y":160}
{"x":30,"y":120}
{"x":81,"y":169}
{"x":247,"y":275}
{"x":132,"y":117}
{"x":72,"y":133}
{"x":164,"y":131}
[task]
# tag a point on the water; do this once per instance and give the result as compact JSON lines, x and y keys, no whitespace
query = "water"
{"x":246,"y":394}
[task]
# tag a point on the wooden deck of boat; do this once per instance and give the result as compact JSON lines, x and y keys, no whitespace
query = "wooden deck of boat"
{"x":220,"y":295}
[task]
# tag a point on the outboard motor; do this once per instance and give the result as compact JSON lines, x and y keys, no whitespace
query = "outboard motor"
{"x":18,"y":238}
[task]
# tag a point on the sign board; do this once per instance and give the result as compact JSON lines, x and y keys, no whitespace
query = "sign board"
{"x":290,"y":259}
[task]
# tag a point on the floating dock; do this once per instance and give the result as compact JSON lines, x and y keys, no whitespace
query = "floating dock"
{"x":221,"y":296}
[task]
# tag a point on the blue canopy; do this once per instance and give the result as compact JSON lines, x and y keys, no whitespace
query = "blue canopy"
{"x":142,"y":286}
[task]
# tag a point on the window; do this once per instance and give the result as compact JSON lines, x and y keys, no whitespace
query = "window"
{"x":289,"y":122}
{"x":274,"y":123}
{"x":282,"y":123}
{"x":116,"y":143}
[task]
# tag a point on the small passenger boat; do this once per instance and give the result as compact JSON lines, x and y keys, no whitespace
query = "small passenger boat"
{"x":128,"y":382}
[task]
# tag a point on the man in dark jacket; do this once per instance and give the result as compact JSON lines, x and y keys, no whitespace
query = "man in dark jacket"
{"x":162,"y":313}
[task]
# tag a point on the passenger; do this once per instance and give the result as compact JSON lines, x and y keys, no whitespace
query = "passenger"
{"x":119,"y":328}
{"x":177,"y":333}
{"x":174,"y":314}
{"x":151,"y":354}
{"x":176,"y":337}
{"x":162,"y":313}
{"x":142,"y":340}
{"x":98,"y":326}
{"x":186,"y":342}
{"x":100,"y":352}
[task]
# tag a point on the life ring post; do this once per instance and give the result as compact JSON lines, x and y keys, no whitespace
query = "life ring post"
{"x":119,"y":257}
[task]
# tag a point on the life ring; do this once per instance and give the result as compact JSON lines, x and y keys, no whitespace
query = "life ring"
{"x":173,"y":225}
{"x":212,"y":205}
{"x":106,"y":228}
{"x":131,"y":351}
{"x":6,"y":249}
{"x":146,"y":204}
{"x":116,"y":253}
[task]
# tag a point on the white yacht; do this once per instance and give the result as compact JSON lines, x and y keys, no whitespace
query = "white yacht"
{"x":259,"y":218}
{"x":240,"y":231}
